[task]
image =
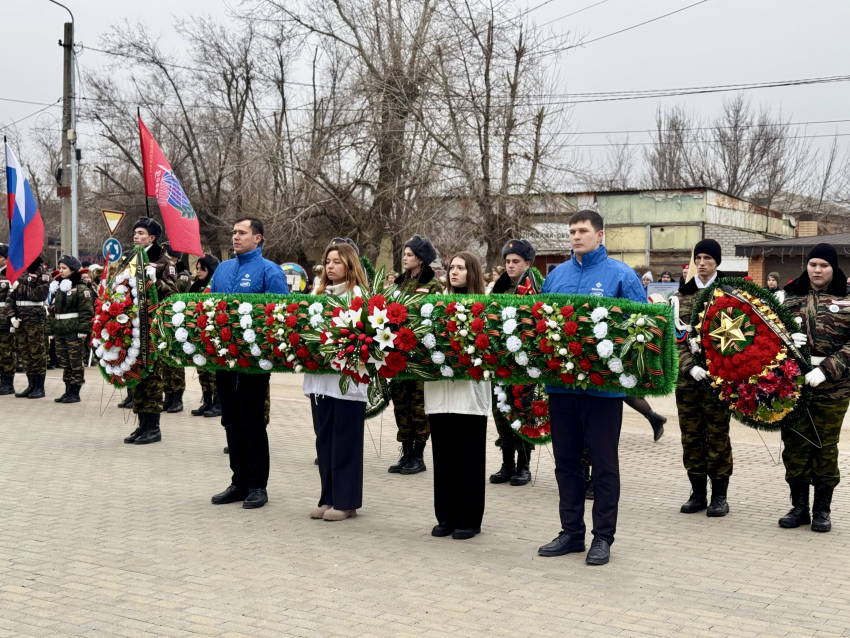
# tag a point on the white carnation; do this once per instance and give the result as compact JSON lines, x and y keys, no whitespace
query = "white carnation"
{"x":133,"y":352}
{"x":599,"y":314}
{"x":178,"y":306}
{"x":628,"y":380}
{"x":461,"y":317}
{"x":199,"y":360}
{"x":427,"y":322}
{"x":245,"y":321}
{"x":533,"y":373}
{"x":136,"y":343}
{"x":509,"y":326}
{"x":438,"y":357}
{"x":426,"y":310}
{"x":514,"y":344}
{"x":177,"y":320}
{"x":136,"y":333}
{"x":181,"y":334}
{"x":508,"y":312}
{"x":581,"y":376}
{"x":521,"y":358}
{"x":99,"y":352}
{"x":600,"y":330}
{"x":255,"y":350}
{"x":548,"y":309}
{"x":121,"y":290}
{"x":249,"y":336}
{"x":189,"y":348}
{"x":54,"y":286}
{"x":615,"y":365}
{"x":315,"y":320}
{"x":605,"y":348}
{"x":245,"y":308}
{"x":516,"y":425}
{"x":430,"y":341}
{"x":446,"y":371}
{"x":265,"y":364}
{"x":135,"y":322}
{"x":95,"y":342}
{"x":132,"y":282}
{"x":504,"y":408}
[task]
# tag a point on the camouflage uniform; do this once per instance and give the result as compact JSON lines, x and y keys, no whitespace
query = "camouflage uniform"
{"x":409,"y":396}
{"x":707,"y":449}
{"x":8,"y":364}
{"x":66,"y":329}
{"x":207,"y":381}
{"x":826,"y":321}
{"x":27,"y":302}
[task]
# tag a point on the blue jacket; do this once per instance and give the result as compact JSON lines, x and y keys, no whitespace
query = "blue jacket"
{"x":600,"y":276}
{"x":249,"y":273}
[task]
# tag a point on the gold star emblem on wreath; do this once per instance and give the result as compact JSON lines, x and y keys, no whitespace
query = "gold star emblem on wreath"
{"x":729,"y":331}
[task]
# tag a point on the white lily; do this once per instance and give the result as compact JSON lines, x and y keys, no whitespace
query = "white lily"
{"x":385,"y":338}
{"x":378,"y":363}
{"x":378,"y":318}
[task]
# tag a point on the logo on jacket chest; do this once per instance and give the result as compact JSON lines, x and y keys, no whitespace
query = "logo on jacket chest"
{"x":597,"y":290}
{"x":246,"y":281}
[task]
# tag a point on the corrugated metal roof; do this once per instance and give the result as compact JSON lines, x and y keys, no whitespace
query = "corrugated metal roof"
{"x":793,"y":246}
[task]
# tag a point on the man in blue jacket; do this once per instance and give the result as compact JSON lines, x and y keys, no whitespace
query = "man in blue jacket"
{"x":243,"y":396}
{"x":589,"y":417}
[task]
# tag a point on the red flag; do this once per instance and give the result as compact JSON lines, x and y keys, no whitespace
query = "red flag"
{"x":181,"y":221}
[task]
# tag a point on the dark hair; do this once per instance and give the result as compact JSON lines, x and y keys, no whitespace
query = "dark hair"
{"x":256,"y":224}
{"x":591,"y":216}
{"x":474,"y":276}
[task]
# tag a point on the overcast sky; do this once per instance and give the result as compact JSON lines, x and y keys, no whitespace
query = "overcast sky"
{"x":717,"y":42}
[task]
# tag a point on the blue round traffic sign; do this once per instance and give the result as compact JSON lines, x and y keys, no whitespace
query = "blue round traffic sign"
{"x":112,"y":250}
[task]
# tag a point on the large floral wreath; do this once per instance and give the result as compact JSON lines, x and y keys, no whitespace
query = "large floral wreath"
{"x":527,"y":410}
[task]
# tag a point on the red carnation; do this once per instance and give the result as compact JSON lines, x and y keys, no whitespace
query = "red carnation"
{"x":210,"y":349}
{"x":477,"y":325}
{"x":405,"y":340}
{"x":465,"y":359}
{"x":518,"y":403}
{"x":293,"y":307}
{"x":482,"y":342}
{"x":302,"y":352}
{"x":568,"y":379}
{"x":233,"y":349}
{"x":269,"y":321}
{"x":270,"y":337}
{"x":570,"y":328}
{"x":503,"y":372}
{"x":585,"y":364}
{"x":477,"y":308}
{"x":108,"y":345}
{"x":575,"y":348}
{"x":356,"y":303}
{"x":221,"y":305}
{"x":377,"y":301}
{"x":269,"y":309}
{"x":567,"y":312}
{"x":535,"y":309}
{"x":490,"y":358}
{"x":597,"y":379}
{"x":517,"y":391}
{"x":451,"y":326}
{"x":220,"y":361}
{"x":242,"y":361}
{"x":221,"y":319}
{"x":476,"y":373}
{"x":554,"y":364}
{"x":396,"y":313}
{"x":294,"y":339}
{"x":539,"y":408}
{"x":226,"y":334}
{"x":312,"y":364}
{"x":455,"y":345}
{"x":541,"y":326}
{"x":202,"y":321}
{"x":451,"y":308}
{"x":291,"y":321}
{"x":396,"y":362}
{"x":545,"y":347}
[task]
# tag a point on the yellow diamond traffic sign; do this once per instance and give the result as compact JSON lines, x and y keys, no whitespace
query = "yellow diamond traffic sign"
{"x":113,"y":218}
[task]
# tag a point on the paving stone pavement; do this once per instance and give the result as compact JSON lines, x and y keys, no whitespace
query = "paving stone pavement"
{"x":102,"y":539}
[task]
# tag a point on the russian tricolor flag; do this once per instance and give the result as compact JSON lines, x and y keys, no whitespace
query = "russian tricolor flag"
{"x":26,"y":235}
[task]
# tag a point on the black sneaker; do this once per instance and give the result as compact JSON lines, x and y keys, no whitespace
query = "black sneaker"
{"x":232,"y":494}
{"x":563,"y":544}
{"x":600,"y":552}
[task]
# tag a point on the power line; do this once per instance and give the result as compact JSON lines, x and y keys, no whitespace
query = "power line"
{"x":564,"y":17}
{"x":26,"y":117}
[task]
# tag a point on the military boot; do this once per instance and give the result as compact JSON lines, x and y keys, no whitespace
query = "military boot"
{"x":7,"y":385}
{"x":508,"y":468}
{"x":64,"y":394}
{"x":176,"y":403}
{"x":719,"y":506}
{"x":699,"y":490}
{"x":406,"y":450}
{"x":152,"y":433}
{"x":127,"y":403}
{"x":799,"y":514}
{"x":38,"y":387}
{"x":139,"y":430}
{"x":206,"y":404}
{"x":26,"y":391}
{"x":523,"y":474}
{"x":168,"y":401}
{"x":821,"y":508}
{"x":416,"y":463}
{"x":215,"y":408}
{"x":73,"y":394}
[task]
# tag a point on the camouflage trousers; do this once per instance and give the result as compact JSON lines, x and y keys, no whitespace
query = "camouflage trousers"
{"x":508,"y":439}
{"x":207,"y":381}
{"x":174,"y":379}
{"x":147,"y":396}
{"x":8,"y":359}
{"x":30,"y":341}
{"x":70,"y":354}
{"x":803,"y":461}
{"x":409,"y":408}
{"x":706,"y":446}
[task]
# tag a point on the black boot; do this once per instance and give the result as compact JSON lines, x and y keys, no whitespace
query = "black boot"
{"x":38,"y":387}
{"x":821,"y":508}
{"x":508,"y":468}
{"x":406,"y":449}
{"x":215,"y":408}
{"x":168,"y":401}
{"x":699,"y":490}
{"x":7,"y":384}
{"x":152,"y":433}
{"x":799,"y":514}
{"x":139,"y":430}
{"x":64,"y":394}
{"x":416,"y":463}
{"x":127,"y":402}
{"x":26,"y":391}
{"x":523,"y":474}
{"x":206,"y":404}
{"x":718,"y":506}
{"x":657,"y":422}
{"x":176,"y":403}
{"x":73,"y":394}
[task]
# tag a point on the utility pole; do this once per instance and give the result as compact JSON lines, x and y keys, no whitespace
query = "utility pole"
{"x":68,"y":186}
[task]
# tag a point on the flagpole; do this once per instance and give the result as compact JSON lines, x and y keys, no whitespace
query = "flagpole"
{"x":144,"y":169}
{"x":8,"y":212}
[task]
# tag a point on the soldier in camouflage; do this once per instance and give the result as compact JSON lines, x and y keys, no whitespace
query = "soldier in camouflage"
{"x":26,"y":309}
{"x":174,"y":377}
{"x":518,"y":279}
{"x":409,"y":396}
{"x":819,"y":301}
{"x":8,"y":362}
{"x":147,"y":395}
{"x":707,"y":448}
{"x":70,"y":323}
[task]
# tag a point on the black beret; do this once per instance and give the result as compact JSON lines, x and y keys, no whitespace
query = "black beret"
{"x":168,"y":250}
{"x":708,"y":247}
{"x":72,"y":262}
{"x":4,"y":250}
{"x":150,"y":225}
{"x":422,"y":248}
{"x":344,"y":240}
{"x":826,"y":252}
{"x":519,"y":247}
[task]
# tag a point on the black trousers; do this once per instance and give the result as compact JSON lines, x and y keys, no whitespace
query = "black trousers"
{"x":242,"y":399}
{"x":580,"y":420}
{"x":459,"y":446}
{"x":339,"y":428}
